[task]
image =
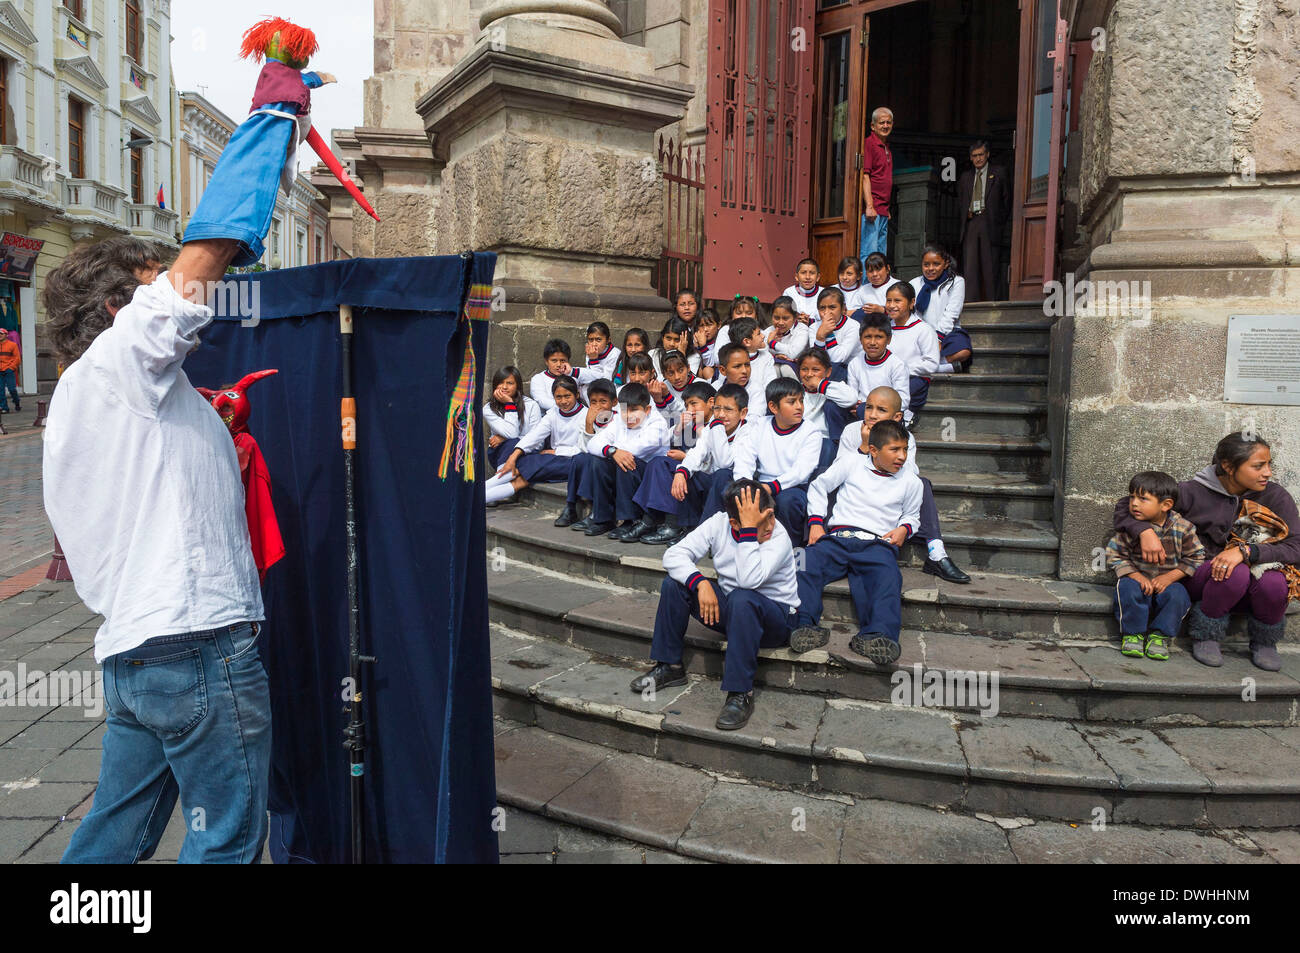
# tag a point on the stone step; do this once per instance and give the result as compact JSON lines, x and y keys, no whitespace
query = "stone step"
{"x":978,"y":386}
{"x":1005,"y":312}
{"x":1083,"y":680}
{"x":989,"y":335}
{"x":985,"y":453}
{"x":1009,"y":496}
{"x":1004,"y":765}
{"x":699,"y":814}
{"x":951,"y":419}
{"x":1010,"y":359}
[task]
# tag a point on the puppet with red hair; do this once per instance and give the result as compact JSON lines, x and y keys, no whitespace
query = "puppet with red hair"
{"x":231,"y":404}
{"x":262,"y":154}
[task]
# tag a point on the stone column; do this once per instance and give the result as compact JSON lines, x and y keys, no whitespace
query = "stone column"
{"x":1190,"y":202}
{"x":546,"y":129}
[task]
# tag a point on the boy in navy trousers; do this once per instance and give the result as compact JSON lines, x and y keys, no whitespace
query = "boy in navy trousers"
{"x":753,"y":601}
{"x":877,"y":509}
{"x":636,"y":436}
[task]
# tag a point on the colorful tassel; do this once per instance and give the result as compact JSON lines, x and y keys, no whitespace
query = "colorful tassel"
{"x":458,"y":444}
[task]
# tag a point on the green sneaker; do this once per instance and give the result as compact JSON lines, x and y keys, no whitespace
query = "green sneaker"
{"x":1157,"y":647}
{"x":1132,"y":646}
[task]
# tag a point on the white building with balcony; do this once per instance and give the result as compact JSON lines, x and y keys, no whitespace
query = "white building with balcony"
{"x":88,"y":119}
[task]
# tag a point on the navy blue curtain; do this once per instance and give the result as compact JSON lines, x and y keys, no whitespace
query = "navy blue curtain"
{"x":429,"y":784}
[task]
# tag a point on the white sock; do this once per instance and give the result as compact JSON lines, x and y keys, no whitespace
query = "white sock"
{"x":502,"y":491}
{"x":946,"y":368}
{"x":936,"y":550}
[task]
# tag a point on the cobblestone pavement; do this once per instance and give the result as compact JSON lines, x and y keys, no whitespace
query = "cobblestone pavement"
{"x":23,"y":527}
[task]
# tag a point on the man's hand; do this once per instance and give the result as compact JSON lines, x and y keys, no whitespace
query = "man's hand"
{"x":1165,"y":579}
{"x":815,"y":532}
{"x":707,"y":600}
{"x":897,"y":536}
{"x":748,"y":511}
{"x":1153,"y":551}
{"x":679,"y":487}
{"x":326,"y":78}
{"x":624,"y":460}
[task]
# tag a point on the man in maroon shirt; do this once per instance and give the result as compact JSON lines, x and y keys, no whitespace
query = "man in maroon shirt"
{"x":877,"y":182}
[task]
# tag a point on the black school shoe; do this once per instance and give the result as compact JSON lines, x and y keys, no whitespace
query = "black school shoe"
{"x":665,"y":535}
{"x":661,"y":676}
{"x":809,"y":637}
{"x":945,"y":569}
{"x":735,"y":711}
{"x":876,"y":648}
{"x":640,"y":528}
{"x":568,"y":517}
{"x":598,"y":529}
{"x":582,"y":524}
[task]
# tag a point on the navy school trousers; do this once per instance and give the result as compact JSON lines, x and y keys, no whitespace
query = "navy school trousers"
{"x":791,"y":505}
{"x":749,"y":619}
{"x":920,"y":391}
{"x":544,"y":467}
{"x":499,"y":454}
{"x":875,"y":582}
{"x":655,"y":492}
{"x":612,"y":489}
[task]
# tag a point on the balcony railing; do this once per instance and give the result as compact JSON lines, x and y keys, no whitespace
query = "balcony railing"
{"x":27,"y":175}
{"x":150,"y":219}
{"x":87,"y":197}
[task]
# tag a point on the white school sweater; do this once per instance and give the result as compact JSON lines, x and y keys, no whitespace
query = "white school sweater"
{"x":790,"y":345}
{"x":870,"y":294}
{"x":916,"y":344}
{"x":865,"y":376}
{"x":755,"y":389}
{"x":565,"y":431}
{"x":649,"y":439}
{"x":782,"y":458}
{"x":851,"y":442}
{"x":946,"y":302}
{"x":506,"y":425}
{"x":855,"y":297}
{"x":739,"y":559}
{"x":602,"y":367}
{"x":762,"y":371}
{"x":804,"y":302}
{"x":868,"y":498}
{"x":814,"y":403}
{"x":539,"y":389}
{"x":716,"y":449}
{"x":843,"y":343}
{"x":709,"y":353}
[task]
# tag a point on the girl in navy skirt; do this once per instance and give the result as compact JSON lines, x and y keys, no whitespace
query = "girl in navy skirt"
{"x":508,"y":414}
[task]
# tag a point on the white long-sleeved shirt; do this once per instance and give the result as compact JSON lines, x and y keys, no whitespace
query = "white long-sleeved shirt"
{"x":739,"y":559}
{"x":565,"y":431}
{"x":805,"y":302}
{"x":814,"y":404}
{"x":539,"y":389}
{"x":789,"y":346}
{"x":782,"y":458}
{"x":506,"y":425}
{"x":762,"y":371}
{"x":870,"y":294}
{"x":868,"y":499}
{"x":756,"y":390}
{"x":865,"y":376}
{"x":716,"y":449}
{"x":855,"y":298}
{"x":843,"y":343}
{"x":709,"y":353}
{"x":916,"y":344}
{"x":649,"y":439}
{"x":600,"y":368}
{"x":851,"y":442}
{"x":141,"y":482}
{"x":946,"y":302}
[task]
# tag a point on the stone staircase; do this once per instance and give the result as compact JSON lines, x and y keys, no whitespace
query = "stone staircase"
{"x":1081,"y":734}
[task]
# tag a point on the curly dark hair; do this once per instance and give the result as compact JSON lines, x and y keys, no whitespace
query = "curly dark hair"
{"x":79,"y":292}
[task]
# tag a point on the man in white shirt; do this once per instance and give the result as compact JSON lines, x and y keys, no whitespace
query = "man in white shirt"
{"x":753,"y":601}
{"x":142,"y":487}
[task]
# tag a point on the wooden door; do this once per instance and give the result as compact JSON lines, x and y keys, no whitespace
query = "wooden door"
{"x":757,"y":145}
{"x":839,"y":130}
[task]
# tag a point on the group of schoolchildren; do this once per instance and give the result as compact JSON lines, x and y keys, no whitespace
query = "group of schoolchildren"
{"x":722,"y":430}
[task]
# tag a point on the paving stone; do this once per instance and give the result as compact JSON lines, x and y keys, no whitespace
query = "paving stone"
{"x":523,"y":669}
{"x":527,"y":859}
{"x":663,"y":857}
{"x":1032,"y":750}
{"x":51,"y":734}
{"x":75,"y":764}
{"x":598,"y":689}
{"x":1288,"y":736}
{"x":575,"y":839}
{"x":1051,"y":843}
{"x":17,"y":836}
{"x":533,"y":766}
{"x":636,"y":797}
{"x":503,"y":642}
{"x":1142,"y":761}
{"x":49,"y":849}
{"x":1033,"y":664}
{"x":42,"y":799}
{"x":545,"y":594}
{"x":750,"y":824}
{"x":905,"y":738}
{"x":782,"y":721}
{"x":881,"y":832}
{"x":1181,"y":674}
{"x":597,"y":728}
{"x":629,"y":611}
{"x":1282,"y":846}
{"x":1238,"y":760}
{"x":838,"y":649}
{"x":526,"y":833}
{"x":95,"y":739}
{"x":20,"y":763}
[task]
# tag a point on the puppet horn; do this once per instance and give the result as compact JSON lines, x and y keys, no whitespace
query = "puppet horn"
{"x":249,"y":380}
{"x":334,"y":165}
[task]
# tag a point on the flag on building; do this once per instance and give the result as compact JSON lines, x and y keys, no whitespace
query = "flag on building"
{"x":161,"y":203}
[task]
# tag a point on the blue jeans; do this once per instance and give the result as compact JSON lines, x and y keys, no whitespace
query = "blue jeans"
{"x":875,"y":236}
{"x":188,"y":715}
{"x":8,"y":385}
{"x":1140,"y":614}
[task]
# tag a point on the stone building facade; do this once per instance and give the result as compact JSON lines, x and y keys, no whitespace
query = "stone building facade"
{"x":527,"y":128}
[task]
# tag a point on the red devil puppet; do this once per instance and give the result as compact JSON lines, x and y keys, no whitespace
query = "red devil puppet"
{"x":232,"y":406}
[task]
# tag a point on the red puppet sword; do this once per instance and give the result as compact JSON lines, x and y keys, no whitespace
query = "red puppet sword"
{"x":334,"y":165}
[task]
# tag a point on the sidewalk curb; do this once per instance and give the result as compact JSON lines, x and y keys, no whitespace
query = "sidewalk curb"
{"x":22,"y":581}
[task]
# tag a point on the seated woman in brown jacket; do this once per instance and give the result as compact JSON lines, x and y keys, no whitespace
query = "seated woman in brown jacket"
{"x":1238,"y":483}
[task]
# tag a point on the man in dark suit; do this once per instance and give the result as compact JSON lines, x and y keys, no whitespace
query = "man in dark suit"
{"x":983,"y":198}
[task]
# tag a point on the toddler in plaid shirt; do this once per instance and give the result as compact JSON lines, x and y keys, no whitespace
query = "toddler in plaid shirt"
{"x":1150,"y":600}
